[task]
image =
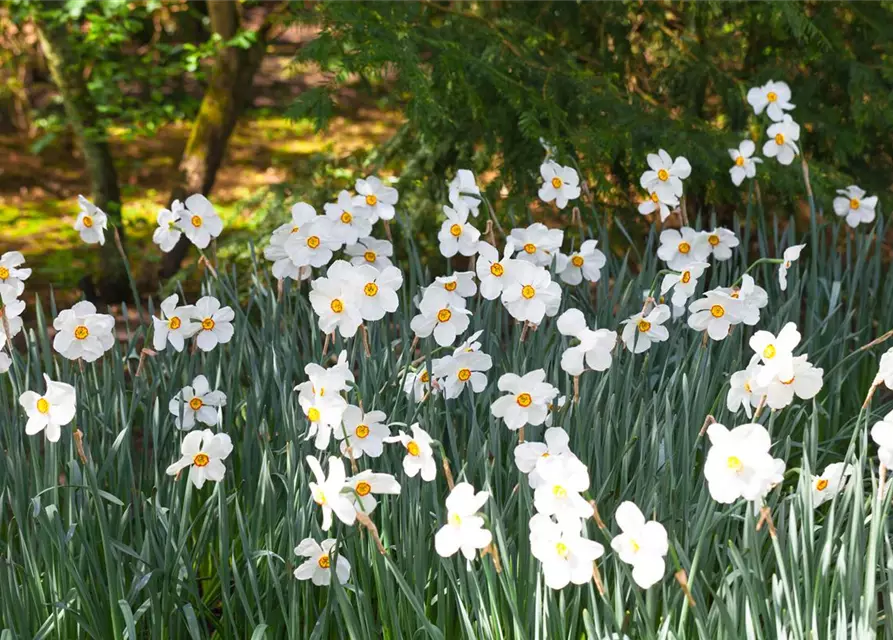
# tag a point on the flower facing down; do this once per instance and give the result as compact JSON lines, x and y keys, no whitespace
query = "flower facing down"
{"x":782,"y":142}
{"x":832,"y":481}
{"x":464,"y":529}
{"x":216,"y":323}
{"x":640,"y":544}
{"x":594,"y":350}
{"x":745,"y":164}
{"x":566,"y":556}
{"x":456,"y":234}
{"x":11,"y":309}
{"x":83,"y":333}
{"x":196,"y":402}
{"x":374,"y":199}
{"x":364,"y":433}
{"x":203,"y":452}
{"x":317,"y":567}
{"x":363,"y":487}
{"x":526,"y":401}
{"x":200,"y":221}
{"x":91,"y":222}
{"x":774,"y":97}
{"x":791,"y":254}
{"x":744,"y":390}
{"x":175,"y":325}
{"x":641,"y":330}
{"x":882,"y":434}
{"x":419,"y":454}
{"x":739,"y":464}
{"x":418,"y":385}
{"x":12,"y":274}
{"x":559,"y":184}
{"x":168,"y":232}
{"x":853,"y":205}
{"x":51,"y":411}
{"x":805,"y":382}
{"x":327,"y":492}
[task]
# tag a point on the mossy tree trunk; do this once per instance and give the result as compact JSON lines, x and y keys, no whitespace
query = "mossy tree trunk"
{"x":67,"y":71}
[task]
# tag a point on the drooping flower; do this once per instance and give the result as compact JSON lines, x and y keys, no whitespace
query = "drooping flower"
{"x":745,"y":164}
{"x":463,"y":191}
{"x":491,"y":270}
{"x":11,"y":309}
{"x":665,"y":175}
{"x":782,"y":142}
{"x":882,"y":434}
{"x":744,"y":390}
{"x":322,"y":381}
{"x":91,"y":222}
{"x":715,"y":313}
{"x":526,"y":401}
{"x":791,"y":254}
{"x":679,"y":248}
{"x":640,"y":329}
{"x":196,"y":402}
{"x":375,"y":199}
{"x":376,"y":253}
{"x":347,"y":224}
{"x":51,"y":411}
{"x":640,"y":544}
{"x":203,"y":452}
{"x":364,"y":433}
{"x":464,"y":529}
{"x":832,"y":481}
{"x":530,"y":293}
{"x":537,"y":243}
{"x":378,"y":294}
{"x":216,"y":323}
{"x":594,"y":350}
{"x":200,"y":221}
{"x":583,"y":264}
{"x":12,"y":274}
{"x":325,"y":412}
{"x":336,"y":299}
{"x":739,"y":464}
{"x":561,"y":481}
{"x":529,"y":454}
{"x":885,"y":370}
{"x":168,"y":232}
{"x":363,"y":487}
{"x":419,"y":384}
{"x":684,"y":283}
{"x":419,"y":454}
{"x":176,"y":324}
{"x":456,"y":372}
{"x":83,"y":333}
{"x":654,"y":202}
{"x":566,"y":556}
{"x":853,"y":204}
{"x":559,"y":183}
{"x":439,"y":315}
{"x":805,"y":382}
{"x":774,"y":97}
{"x":327,"y":492}
{"x":317,"y":566}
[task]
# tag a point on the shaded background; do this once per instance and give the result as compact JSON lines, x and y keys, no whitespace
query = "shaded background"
{"x":261,"y":104}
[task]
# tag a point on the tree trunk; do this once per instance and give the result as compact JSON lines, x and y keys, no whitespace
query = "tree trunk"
{"x":227,"y":95}
{"x":68,"y":74}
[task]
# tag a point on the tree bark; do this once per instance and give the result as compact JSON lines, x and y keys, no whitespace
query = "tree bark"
{"x":227,"y":95}
{"x":68,"y":74}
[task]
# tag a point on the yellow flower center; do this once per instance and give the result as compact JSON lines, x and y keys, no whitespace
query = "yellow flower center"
{"x":771,"y":96}
{"x":451,"y":286}
{"x":769,"y":352}
{"x":523,"y":399}
{"x":713,"y":239}
{"x":527,"y":291}
{"x":556,"y":182}
{"x":371,"y":289}
{"x":734,"y":463}
{"x":663,"y":175}
{"x":747,"y":387}
{"x":424,"y":377}
{"x":530,"y":248}
{"x":854,"y":203}
{"x":319,"y":496}
{"x":779,"y":139}
{"x":88,"y":221}
{"x":644,"y":326}
{"x":686,"y":277}
{"x":791,"y":381}
{"x":4,"y":273}
{"x":195,"y":404}
{"x":313,"y":414}
{"x":684,"y":247}
{"x":196,"y":221}
{"x":295,"y":229}
{"x":735,"y":294}
{"x":324,"y":562}
{"x":363,"y":488}
{"x":559,"y":492}
{"x":821,"y":485}
{"x":313,"y":242}
{"x":369,"y":256}
{"x":561,"y":549}
{"x":337,"y":306}
{"x":444,"y":315}
{"x":717,"y":311}
{"x":464,"y":374}
{"x":201,"y":460}
{"x":43,"y":406}
{"x":456,"y":230}
{"x":346,"y":218}
{"x":371,"y":199}
{"x":654,"y":198}
{"x":455,"y":519}
{"x":81,"y":332}
{"x":739,"y":161}
{"x":497,"y":269}
{"x":208,"y":324}
{"x":174,"y":323}
{"x":361,"y":431}
{"x":577,"y":261}
{"x":413,"y":448}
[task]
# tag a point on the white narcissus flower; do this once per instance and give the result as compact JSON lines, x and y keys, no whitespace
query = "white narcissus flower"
{"x":530,"y":294}
{"x":882,"y":434}
{"x":216,"y":323}
{"x":465,"y":192}
{"x":326,"y":492}
{"x":333,"y":380}
{"x":594,"y":350}
{"x":175,"y":325}
{"x":438,"y":315}
{"x":684,"y":283}
{"x":469,"y":344}
{"x":745,"y":164}
{"x":641,"y":330}
{"x":554,"y":407}
{"x":791,"y":254}
{"x":583,"y":264}
{"x":640,"y":544}
{"x":459,"y":286}
{"x":419,"y":454}
{"x":317,"y":566}
{"x":561,"y":481}
{"x":885,"y":370}
{"x":805,"y":382}
{"x":559,"y":183}
{"x":365,"y":432}
{"x":335,"y":299}
{"x":83,"y":333}
{"x":12,"y":275}
{"x":491,"y":270}
{"x":456,"y":234}
{"x":91,"y":222}
{"x":654,"y":202}
{"x":744,"y":390}
{"x":774,"y":97}
{"x":168,"y":232}
{"x":462,"y":370}
{"x":375,"y":199}
{"x":283,"y":266}
{"x":51,"y":411}
{"x":537,"y":243}
{"x":203,"y":452}
{"x":347,"y":225}
{"x":526,"y":401}
{"x":665,"y":175}
{"x":11,"y":309}
{"x":378,"y":294}
{"x":776,"y":352}
{"x":739,"y":464}
{"x":782,"y":142}
{"x":312,"y":244}
{"x":325,"y":412}
{"x":721,"y":242}
{"x":566,"y":556}
{"x":5,"y":362}
{"x":197,"y":402}
{"x":200,"y":221}
{"x":418,"y":385}
{"x":363,"y":487}
{"x":376,"y":253}
{"x":752,"y":297}
{"x":715,"y":313}
{"x":855,"y":206}
{"x":529,"y":454}
{"x":464,"y":529}
{"x":832,"y":481}
{"x":679,"y":248}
